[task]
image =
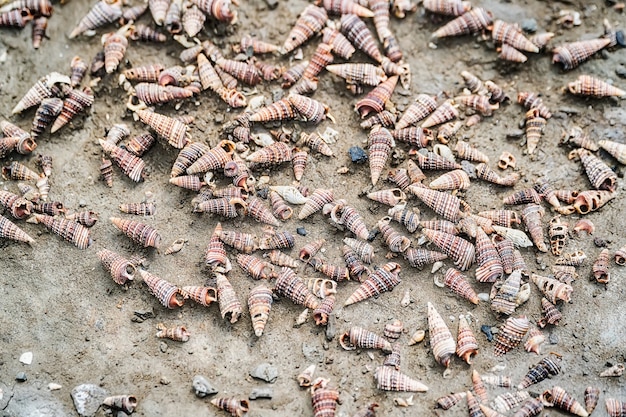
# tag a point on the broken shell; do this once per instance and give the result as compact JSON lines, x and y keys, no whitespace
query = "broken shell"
{"x":235,"y":406}
{"x":306,"y":377}
{"x":553,"y":290}
{"x":600,"y":268}
{"x":613,"y":371}
{"x":178,"y":333}
{"x":124,"y":403}
{"x":558,"y":397}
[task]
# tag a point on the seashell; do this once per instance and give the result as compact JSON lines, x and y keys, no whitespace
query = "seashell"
{"x":467,"y":346}
{"x":479,"y":103}
{"x":178,"y":333}
{"x":615,"y":408}
{"x":134,"y":13}
{"x":360,"y":36}
{"x":174,"y":131}
{"x":69,"y":230}
{"x":545,"y":368}
{"x":617,"y":150}
{"x":383,"y":279}
{"x":255,"y":267}
{"x":87,"y":218}
{"x":565,"y":273}
{"x":441,"y":341}
{"x":558,"y":397}
{"x":138,"y":232}
{"x":467,"y":152}
{"x":532,"y":215}
{"x":509,"y":400}
{"x":423,"y":106}
{"x":534,"y":128}
{"x":541,"y":39}
{"x":259,"y":304}
{"x":168,"y":294}
{"x":535,"y":339}
{"x":124,"y":403}
{"x":385,"y":118}
{"x":358,"y":73}
{"x":567,"y":196}
{"x":8,"y":230}
{"x":570,"y":55}
{"x":281,"y":259}
{"x":497,"y":380}
{"x":588,"y":201}
{"x":370,"y":411}
{"x":472,"y":22}
{"x":458,"y":249}
{"x":453,"y":180}
{"x":489,"y":412}
{"x":417,"y":258}
{"x":393,"y":330}
{"x":278,"y":240}
{"x":290,"y":286}
{"x":364,"y":250}
{"x":7,"y":145}
{"x":446,"y":205}
{"x":257,"y":46}
{"x":592,"y":394}
{"x":44,"y":88}
{"x":289,"y":193}
{"x":336,"y":273}
{"x":389,"y":379}
{"x":158,"y":9}
{"x":599,"y":174}
{"x":227,"y":298}
{"x":620,"y":256}
{"x":505,"y":299}
{"x":114,"y":45}
{"x":375,"y":100}
{"x":533,"y":101}
{"x":75,"y":102}
{"x":553,"y":289}
{"x":243,"y":242}
{"x":324,"y":398}
{"x":415,"y":136}
{"x":293,"y":74}
{"x":557,"y":232}
{"x":417,"y":337}
{"x":316,"y":202}
{"x":472,"y":405}
{"x":353,"y":262}
{"x":447,"y":7}
{"x":345,"y":215}
{"x":54,"y":208}
{"x":390,"y":197}
{"x":506,"y":33}
{"x":504,"y":218}
{"x":18,"y":206}
{"x":309,"y":109}
{"x":201,"y":295}
{"x":444,"y":113}
{"x":223,"y":206}
{"x":527,"y":195}
{"x":311,"y":249}
{"x":511,"y":334}
{"x":298,"y":162}
{"x":448,"y":401}
{"x":235,"y":406}
{"x":279,"y":208}
{"x":324,"y":310}
{"x":343,"y":7}
{"x":408,"y":218}
{"x":586,"y":85}
{"x":147,"y":73}
{"x":141,"y":144}
{"x":321,"y":287}
{"x":600,"y":268}
{"x":106,"y":170}
{"x":458,"y":283}
{"x":531,"y":407}
{"x":339,"y":44}
{"x":141,"y":209}
{"x":310,"y":22}
{"x":485,"y":173}
{"x":257,"y":209}
{"x":432,"y":161}
{"x":497,"y":94}
{"x":48,"y":110}
{"x":151,"y":93}
{"x":209,"y":159}
{"x":130,"y":164}
{"x":306,"y":377}
{"x":551,"y":314}
{"x":100,"y":14}
{"x":116,"y":133}
{"x":573,"y":259}
{"x":244,"y":72}
{"x":273,"y":154}
{"x":146,"y":34}
{"x":508,"y":53}
{"x":440,"y":226}
{"x":193,"y":20}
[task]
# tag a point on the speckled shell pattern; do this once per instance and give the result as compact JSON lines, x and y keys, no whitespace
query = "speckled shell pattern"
{"x":389,"y":379}
{"x":545,"y":368}
{"x":571,"y":55}
{"x":466,"y":344}
{"x":138,"y":232}
{"x":100,"y":14}
{"x":459,"y":284}
{"x":441,"y":341}
{"x":201,"y":295}
{"x":8,"y":230}
{"x":290,"y":286}
{"x":235,"y":406}
{"x":120,"y":268}
{"x":174,"y":131}
{"x":167,"y":293}
{"x":69,"y":230}
{"x":458,"y":249}
{"x":383,"y":279}
{"x":259,"y":305}
{"x":178,"y":333}
{"x":323,"y":398}
{"x":472,"y":22}
{"x":511,"y":334}
{"x":553,"y":289}
{"x":560,"y":398}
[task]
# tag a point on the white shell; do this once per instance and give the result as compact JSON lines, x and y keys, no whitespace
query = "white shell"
{"x":290,"y":194}
{"x":519,"y":238}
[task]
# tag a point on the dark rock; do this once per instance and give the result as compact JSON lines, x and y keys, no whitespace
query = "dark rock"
{"x":301,"y":231}
{"x":486,"y":329}
{"x":202,"y":387}
{"x":357,"y":155}
{"x":265,"y":372}
{"x":21,"y":377}
{"x":272,"y":4}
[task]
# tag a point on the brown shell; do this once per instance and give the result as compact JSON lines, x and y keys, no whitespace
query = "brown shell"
{"x":130,"y":164}
{"x":466,"y":344}
{"x":508,"y":53}
{"x":259,"y":211}
{"x":448,"y":401}
{"x":458,"y":283}
{"x":440,"y":226}
{"x":201,"y":295}
{"x":7,"y":145}
{"x":390,"y":197}
{"x":444,"y":204}
{"x":323,"y":398}
{"x":533,"y":101}
{"x":479,"y":103}
{"x":259,"y":304}
{"x":509,"y":400}
{"x":339,"y":43}
{"x":274,"y":154}
{"x":324,"y":310}
{"x":360,"y":36}
{"x":8,"y":230}
{"x":190,"y":182}
{"x":560,"y":398}
{"x":16,"y":18}
{"x":505,"y":299}
{"x":316,"y":143}
{"x":591,"y":200}
{"x":586,"y":85}
{"x":465,"y":151}
{"x":453,"y":180}
{"x":534,"y":128}
{"x":592,"y":394}
{"x":423,"y":106}
{"x":565,"y":273}
{"x":310,"y":110}
{"x":48,"y":110}
{"x":557,"y":232}
{"x":447,"y":7}
{"x":484,"y":172}
{"x":106,"y":170}
{"x":100,"y":14}
{"x":235,"y":406}
{"x":472,"y":22}
{"x":298,"y":161}
{"x":383,"y":279}
{"x":87,"y":218}
{"x":458,"y":249}
{"x":316,"y":202}
{"x":415,"y":136}
{"x":124,"y":403}
{"x":244,"y":72}
{"x":444,"y":113}
{"x":531,"y":216}
{"x":75,"y":102}
{"x":18,"y":206}
{"x":567,"y":196}
{"x":334,"y":272}
{"x":531,"y":407}
{"x":570,"y":55}
{"x":243,"y":242}
{"x":178,"y":333}
{"x":489,"y":412}
{"x":218,"y":9}
{"x":504,"y":218}
{"x":344,"y":7}
{"x":573,"y":259}
{"x":375,"y":100}
{"x":600,"y":268}
{"x":167,"y":293}
{"x":620,"y":256}
{"x":310,"y":249}
{"x":45,"y":87}
{"x":410,"y":219}
{"x":358,"y":73}
{"x":527,"y":195}
{"x":227,"y":298}
{"x":432,"y":161}
{"x":551,"y":315}
{"x":417,"y":258}
{"x":293,"y":74}
{"x":114,"y":45}
{"x":257,"y":46}
{"x":389,"y":379}
{"x":282,"y":259}
{"x":152,"y":93}
{"x":360,"y":338}
{"x":193,"y":20}
{"x":511,"y":334}
{"x":542,"y":39}
{"x":348,"y":216}
{"x":553,"y":289}
{"x":174,"y":131}
{"x":141,"y":209}
{"x":255,"y":267}
{"x":441,"y":340}
{"x":615,"y":408}
{"x":320,"y":59}
{"x":67,"y":229}
{"x":503,"y":32}
{"x":599,"y":174}
{"x":146,"y":73}
{"x":364,"y":250}
{"x":280,"y":209}
{"x":223,"y":206}
{"x":311,"y":21}
{"x":473,"y":406}
{"x":138,"y":232}
{"x":290,"y":286}
{"x":385,"y":118}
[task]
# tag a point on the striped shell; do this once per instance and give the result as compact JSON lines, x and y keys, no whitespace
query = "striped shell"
{"x":375,"y":100}
{"x":189,"y":182}
{"x":592,"y":394}
{"x":383,"y":279}
{"x":395,"y":241}
{"x":360,"y":338}
{"x":417,"y":258}
{"x":138,"y":232}
{"x":503,"y":32}
{"x":527,"y":195}
{"x":316,"y":202}
{"x":218,"y":9}
{"x":360,"y":36}
{"x":152,"y":93}
{"x":348,"y":216}
{"x":244,"y":72}
{"x":114,"y":45}
{"x":484,"y":172}
{"x":389,"y":379}
{"x":458,"y":249}
{"x":259,"y":211}
{"x":298,"y":161}
{"x":321,"y":287}
{"x":290,"y":286}
{"x":511,"y":334}
{"x":558,"y":397}
{"x":410,"y":219}
{"x":45,"y":87}
{"x":490,"y":265}
{"x":444,"y":113}
{"x":201,"y":295}
{"x":274,"y":154}
{"x":47,"y":111}
{"x":433,"y":161}
{"x":146,"y":73}
{"x":617,"y":150}
{"x":535,"y":340}
{"x":121,"y":269}
{"x":336,"y":273}
{"x":259,"y":305}
{"x":586,"y":85}
{"x":570,"y":55}
{"x":227,"y":298}
{"x":472,"y":22}
{"x":600,"y":268}
{"x":415,"y":136}
{"x":141,"y":209}
{"x":243,"y":242}
{"x":358,"y":73}
{"x":68,"y":229}
{"x":508,"y":53}
{"x":599,"y":174}
{"x":255,"y":267}
{"x":167,"y":293}
{"x":223,"y":206}
{"x":509,"y":400}
{"x":339,"y":43}
{"x":18,"y":207}
{"x":444,"y":204}
{"x":533,"y":101}
{"x":620,"y":256}
{"x":458,"y":283}
{"x":106,"y":170}
{"x":324,"y":310}
{"x":75,"y":102}
{"x":147,"y":34}
{"x":311,"y":21}
{"x":466,"y":344}
{"x":178,"y":333}
{"x":467,"y":152}
{"x":505,"y":299}
{"x":553,"y":289}
{"x":345,"y":7}
{"x":448,"y":401}
{"x":16,"y":18}
{"x":423,"y":106}
{"x":100,"y":14}
{"x":235,"y":406}
{"x":453,"y":180}
{"x":123,"y":403}
{"x":473,"y":406}
{"x":441,"y":340}
{"x":479,"y":103}
{"x":447,"y":7}
{"x":531,"y":216}
{"x":477,"y":381}
{"x":323,"y":398}
{"x":8,"y":230}
{"x":174,"y":131}
{"x":364,"y":250}
{"x":615,"y":408}
{"x":531,"y":407}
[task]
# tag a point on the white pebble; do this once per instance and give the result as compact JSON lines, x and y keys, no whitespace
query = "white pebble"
{"x":27,"y":358}
{"x":54,"y":387}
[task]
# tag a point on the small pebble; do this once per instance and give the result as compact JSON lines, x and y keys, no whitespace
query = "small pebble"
{"x":357,"y":155}
{"x":87,"y":398}
{"x":258,"y":393}
{"x":54,"y":387}
{"x":27,"y":358}
{"x":301,"y":231}
{"x":21,"y":377}
{"x":163,"y":347}
{"x":265,"y":372}
{"x":621,"y":72}
{"x":529,"y":25}
{"x":164,"y":381}
{"x":202,"y":387}
{"x":486,"y":329}
{"x":553,"y":339}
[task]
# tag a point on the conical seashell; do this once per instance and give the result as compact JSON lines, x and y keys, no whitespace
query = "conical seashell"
{"x":504,"y":218}
{"x":415,"y":136}
{"x":389,"y":379}
{"x":310,"y":110}
{"x":509,"y":400}
{"x":599,"y":174}
{"x":298,"y":161}
{"x":490,"y":265}
{"x":8,"y":230}
{"x":600,"y":268}
{"x":257,"y":46}
{"x":553,"y":289}
{"x":503,"y":32}
{"x":220,"y":10}
{"x":324,"y":398}
{"x":364,"y":250}
{"x":243,"y":242}
{"x":447,"y":7}
{"x":187,"y":156}
{"x":448,"y":401}
{"x":531,"y":407}
{"x":320,"y":287}
{"x":479,"y":103}
{"x":511,"y":334}
{"x":290,"y":194}
{"x":201,"y":295}
{"x":279,"y":208}
{"x":311,"y":21}
{"x":473,"y":406}
{"x":358,"y":73}
{"x":193,"y":20}
{"x":573,"y":259}
{"x":477,"y":382}
{"x":535,"y":339}
{"x":444,"y":226}
{"x":8,"y":144}
{"x":290,"y":286}
{"x":114,"y":46}
{"x":257,"y":209}
{"x":227,"y":298}
{"x":360,"y":36}
{"x":45,"y":87}
{"x":417,"y":258}
{"x":174,"y":131}
{"x":592,"y":394}
{"x":472,"y":22}
{"x":467,"y":152}
{"x":558,"y":397}
{"x":345,"y":7}
{"x":444,"y":113}
{"x":473,"y":83}
{"x":18,"y":206}
{"x":158,"y":9}
{"x":140,"y":209}
{"x":100,"y":14}
{"x":408,"y":218}
{"x":138,"y":232}
{"x":508,"y":53}
{"x":534,"y":128}
{"x":615,"y":408}
{"x":121,"y":270}
{"x":16,"y":18}
{"x":383,"y":279}
{"x":484,"y":172}
{"x":68,"y":229}
{"x":146,"y":73}
{"x":617,"y":150}
{"x":346,"y":215}
{"x":532,"y":218}
{"x":306,"y":377}
{"x":586,"y":85}
{"x":212,"y":159}
{"x":130,"y":164}
{"x":242,"y":71}
{"x":178,"y":333}
{"x":235,"y":406}
{"x":505,"y":300}
{"x":433,"y":161}
{"x":423,"y":106}
{"x":375,"y":100}
{"x":78,"y":69}
{"x":542,"y":39}
{"x":385,"y":118}
{"x":168,"y":294}
{"x":124,"y":403}
{"x":545,"y":368}
{"x":458,"y":249}
{"x":453,"y":180}
{"x":336,"y":273}
{"x":316,"y":202}
{"x":75,"y":102}
{"x":223,"y":206}
{"x":48,"y":110}
{"x":338,"y":42}
{"x":489,"y":412}
{"x":527,"y":195}
{"x":259,"y":304}
{"x":441,"y":340}
{"x":570,"y":55}
{"x":458,"y":283}
{"x":444,"y":204}
{"x":533,"y":101}
{"x":255,"y":267}
{"x":274,"y":154}
{"x":466,"y":344}
{"x":324,"y":310}
{"x":395,"y":241}
{"x":591,"y":200}
{"x":152,"y":93}
{"x":190,"y":182}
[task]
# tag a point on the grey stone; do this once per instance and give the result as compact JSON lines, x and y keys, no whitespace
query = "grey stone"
{"x":202,"y":387}
{"x":529,"y":25}
{"x":21,"y":377}
{"x":265,"y":392}
{"x":87,"y":399}
{"x":357,"y":155}
{"x":265,"y":372}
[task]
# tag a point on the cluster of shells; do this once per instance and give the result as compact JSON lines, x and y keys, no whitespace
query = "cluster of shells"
{"x":486,"y":248}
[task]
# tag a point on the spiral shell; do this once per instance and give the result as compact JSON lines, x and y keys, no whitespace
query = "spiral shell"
{"x":509,"y":400}
{"x":506,"y":33}
{"x":472,"y":22}
{"x":573,"y":259}
{"x":357,"y":337}
{"x":467,"y":152}
{"x":545,"y":368}
{"x":121,"y":269}
{"x":453,"y":180}
{"x":599,"y":174}
{"x":444,"y":204}
{"x":458,"y":249}
{"x":293,"y":74}
{"x":336,"y":273}
{"x":508,"y":53}
{"x":218,"y":9}
{"x":151,"y":93}
{"x":393,"y":239}
{"x":534,"y":128}
{"x":223,"y":206}
{"x":568,"y":197}
{"x":511,"y":334}
{"x":553,"y":289}
{"x":532,"y":215}
{"x":8,"y":230}
{"x":255,"y":267}
{"x":243,"y":242}
{"x":417,"y":258}
{"x":310,"y":22}
{"x":408,"y":218}
{"x":458,"y":283}
{"x":324,"y":310}
{"x":174,"y":131}
{"x":542,"y":39}
{"x":48,"y":110}
{"x":68,"y":229}
{"x":375,"y":100}
{"x":338,"y":42}
{"x":168,"y":294}
{"x":570,"y":55}
{"x":290,"y":286}
{"x":316,"y":202}
{"x":321,"y":287}
{"x":600,"y":268}
{"x":235,"y":406}
{"x":620,"y":256}
{"x":617,"y":150}
{"x":533,"y":101}
{"x":75,"y":102}
{"x":466,"y":344}
{"x":364,"y":250}
{"x":281,"y":259}
{"x":448,"y":401}
{"x":7,"y":145}
{"x":615,"y":408}
{"x":592,"y":394}
{"x":484,"y":172}
{"x":441,"y":340}
{"x":489,"y":412}
{"x":586,"y":85}
{"x":389,"y":379}
{"x":347,"y":216}
{"x":138,"y":232}
{"x":310,"y":249}
{"x":505,"y":299}
{"x":535,"y":339}
{"x":305,"y":378}
{"x":358,"y":73}
{"x":259,"y":305}
{"x":141,"y":209}
{"x":130,"y":164}
{"x":147,"y":73}
{"x":447,"y":7}
{"x":383,"y":279}
{"x":415,"y":136}
{"x":201,"y":295}
{"x":257,"y":209}
{"x":106,"y":170}
{"x":16,"y":18}
{"x":527,"y":195}
{"x":18,"y":206}
{"x":178,"y":333}
{"x":565,"y":273}
{"x":440,"y":226}
{"x":558,"y":397}
{"x":227,"y":298}
{"x":531,"y":407}
{"x":323,"y":398}
{"x":274,"y":154}
{"x":124,"y":403}
{"x":100,"y":14}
